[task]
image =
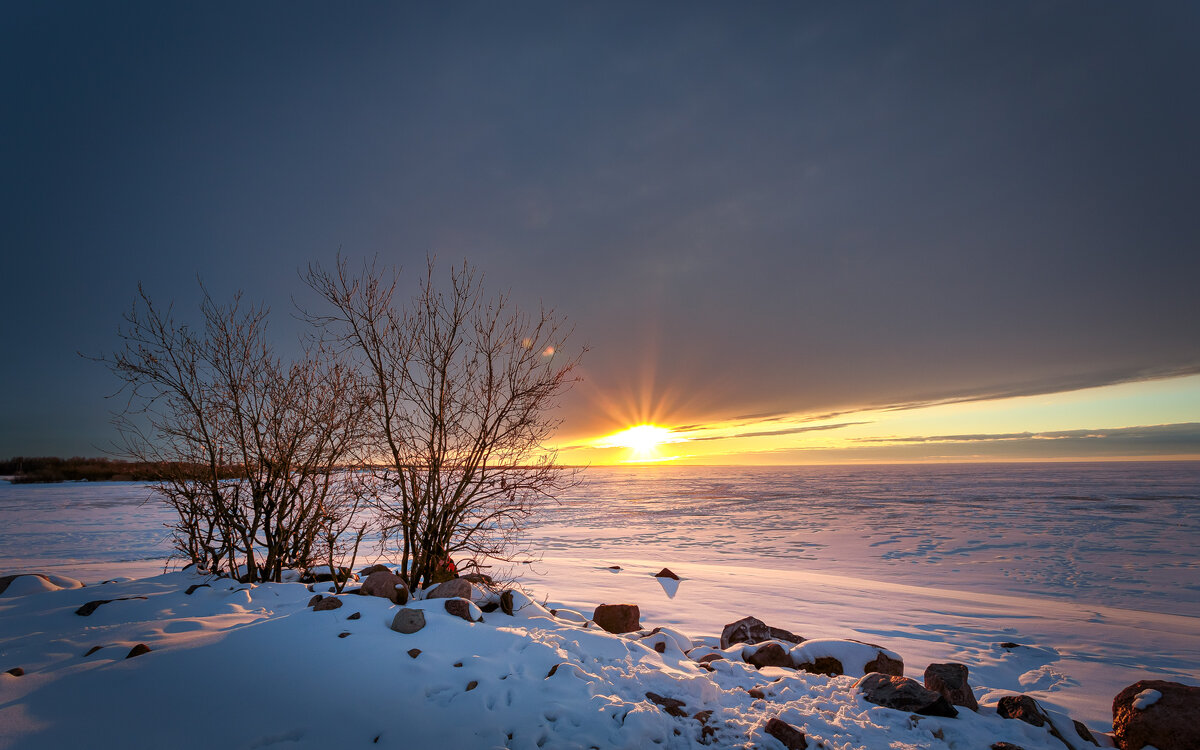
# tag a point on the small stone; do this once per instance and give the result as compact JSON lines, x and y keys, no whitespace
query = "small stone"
{"x":1005,"y":746}
{"x":355,"y":616}
{"x":1009,"y":644}
{"x":138,"y":650}
{"x":1084,"y":732}
{"x":950,"y":680}
{"x":506,"y":602}
{"x":618,"y":618}
{"x":770,"y":654}
{"x":87,"y":609}
{"x":414,"y":652}
{"x":666,"y":573}
{"x":472,"y":685}
{"x":552,"y":671}
{"x":408,"y":620}
{"x":903,"y":694}
{"x":326,"y":604}
{"x":93,"y":650}
{"x":15,"y":672}
{"x":791,"y":737}
{"x":672,"y":706}
{"x":315,"y":599}
{"x":615,"y":567}
{"x":343,"y":634}
{"x":703,"y":716}
{"x":752,"y":630}
{"x":756,"y":693}
{"x":192,"y":589}
{"x":455,"y":588}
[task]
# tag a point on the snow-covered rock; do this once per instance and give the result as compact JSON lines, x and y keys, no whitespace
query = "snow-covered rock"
{"x":1170,"y":721}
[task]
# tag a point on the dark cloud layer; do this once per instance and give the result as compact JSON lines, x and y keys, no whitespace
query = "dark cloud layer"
{"x":789,"y":208}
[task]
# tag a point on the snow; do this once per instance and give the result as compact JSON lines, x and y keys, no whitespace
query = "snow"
{"x":238,"y":665}
{"x":1145,"y":699}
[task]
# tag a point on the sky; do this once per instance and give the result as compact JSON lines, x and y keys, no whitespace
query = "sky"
{"x":967,"y":231}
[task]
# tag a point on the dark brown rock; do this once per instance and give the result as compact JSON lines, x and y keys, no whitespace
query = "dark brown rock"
{"x":666,"y":573}
{"x":138,"y":650}
{"x":884,"y":664}
{"x":87,"y":609}
{"x":472,"y":685}
{"x":710,"y":657}
{"x":756,"y":693}
{"x":950,"y":680}
{"x":1170,"y":723}
{"x":414,"y":652}
{"x":384,"y":583}
{"x":660,"y":647}
{"x":552,"y":671}
{"x":343,"y":634}
{"x":376,"y":568}
{"x":355,"y":616}
{"x":618,"y":618}
{"x":315,"y":599}
{"x":6,"y":580}
{"x":791,"y":737}
{"x":482,"y":579}
{"x":753,"y":630}
{"x":770,"y":654}
{"x":455,"y":588}
{"x":1009,"y":645}
{"x":461,"y":608}
{"x":1084,"y":732}
{"x":93,"y":650}
{"x":326,"y":604}
{"x":1005,"y":746}
{"x":673,"y":706}
{"x":15,"y":672}
{"x":903,"y":694}
{"x":822,"y":665}
{"x":1022,"y":707}
{"x":506,"y":602}
{"x":192,"y":589}
{"x":408,"y":620}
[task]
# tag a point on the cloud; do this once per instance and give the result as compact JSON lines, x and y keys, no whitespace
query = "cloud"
{"x":1186,"y":433}
{"x":787,"y":431}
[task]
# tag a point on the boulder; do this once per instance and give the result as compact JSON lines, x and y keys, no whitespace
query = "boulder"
{"x":408,"y":620}
{"x":1159,"y":713}
{"x":455,"y":588}
{"x":15,"y":672}
{"x":481,"y":578}
{"x":1022,"y":707}
{"x":326,"y":604}
{"x":903,"y":694}
{"x":355,"y":616}
{"x":87,"y":609}
{"x":666,"y":573}
{"x":618,"y":618}
{"x":833,"y":656}
{"x":506,"y":602}
{"x":93,"y":650}
{"x":770,"y":654}
{"x":1084,"y":732}
{"x":414,"y":652}
{"x":313,"y":601}
{"x":753,"y":630}
{"x":826,"y":665}
{"x":673,"y":706}
{"x":138,"y":650}
{"x":465,"y":609}
{"x":950,"y":680}
{"x":386,"y":584}
{"x":376,"y":568}
{"x":791,"y":737}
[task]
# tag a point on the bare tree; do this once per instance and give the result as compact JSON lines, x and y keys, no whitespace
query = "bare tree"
{"x":252,"y":447}
{"x":462,"y":389}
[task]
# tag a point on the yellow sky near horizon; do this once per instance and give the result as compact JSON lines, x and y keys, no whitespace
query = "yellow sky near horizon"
{"x":1149,"y":419}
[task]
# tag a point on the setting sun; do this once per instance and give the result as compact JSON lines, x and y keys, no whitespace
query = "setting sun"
{"x":642,"y":440}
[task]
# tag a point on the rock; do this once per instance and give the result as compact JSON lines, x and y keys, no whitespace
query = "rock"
{"x":826,"y":665}
{"x":455,"y":588}
{"x":6,"y":580}
{"x":315,"y":599}
{"x":192,"y":589}
{"x":408,"y":620}
{"x":950,"y":680}
{"x":326,"y":604}
{"x":903,"y":694}
{"x":322,"y":574}
{"x":386,"y":584}
{"x":615,"y":567}
{"x":343,"y":634}
{"x":885,"y":664}
{"x":1009,"y":645}
{"x":1022,"y":707}
{"x":87,"y":609}
{"x":414,"y":652}
{"x":465,"y":609}
{"x":709,"y":658}
{"x":355,"y":616}
{"x":376,"y":568}
{"x":618,"y":618}
{"x":93,"y":650}
{"x":1005,"y":746}
{"x":791,"y":737}
{"x":1170,"y":722}
{"x":472,"y":685}
{"x":666,"y":573}
{"x":770,"y":654}
{"x":673,"y":706}
{"x":15,"y":672}
{"x":753,"y":630}
{"x":138,"y":650}
{"x":1084,"y":732}
{"x":756,"y":694}
{"x":506,"y":602}
{"x":481,"y":578}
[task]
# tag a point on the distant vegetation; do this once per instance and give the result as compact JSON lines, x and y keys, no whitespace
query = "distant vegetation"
{"x":34,"y":469}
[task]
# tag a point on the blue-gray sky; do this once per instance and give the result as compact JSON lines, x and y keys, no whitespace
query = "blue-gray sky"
{"x":746,"y":208}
